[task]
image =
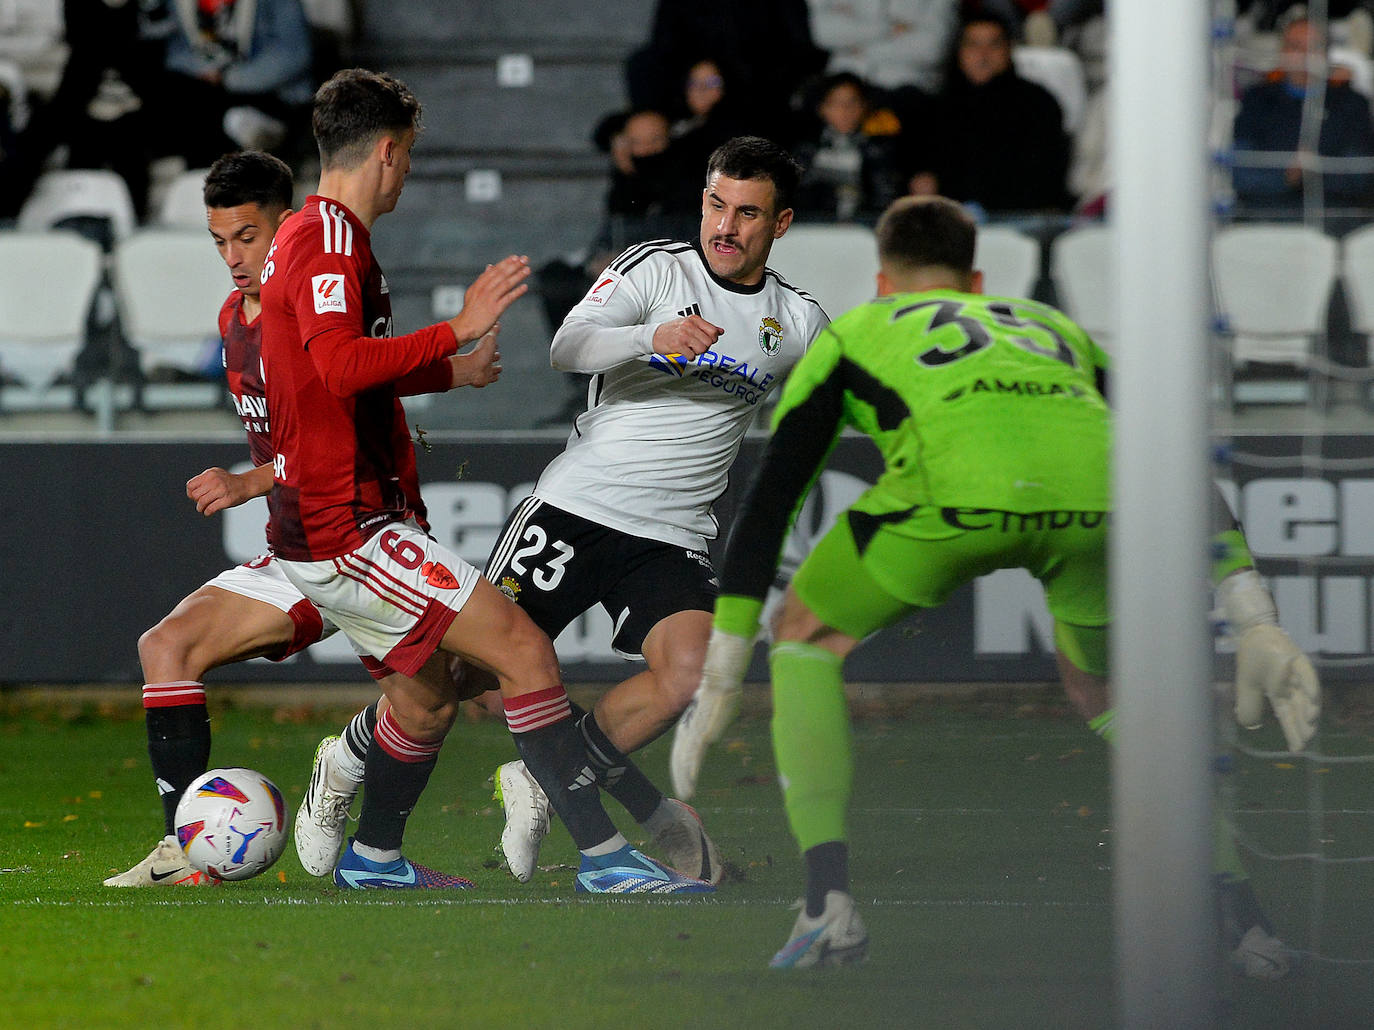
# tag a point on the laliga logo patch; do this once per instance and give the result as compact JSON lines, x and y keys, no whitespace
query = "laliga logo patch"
{"x":437,"y":575}
{"x":510,"y":586}
{"x":329,"y":293}
{"x":603,"y":288}
{"x":770,"y":336}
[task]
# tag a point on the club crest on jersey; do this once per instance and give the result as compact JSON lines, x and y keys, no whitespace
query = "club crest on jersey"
{"x":510,"y":586}
{"x":603,"y":288}
{"x":328,"y":290}
{"x":770,"y":336}
{"x":437,"y":575}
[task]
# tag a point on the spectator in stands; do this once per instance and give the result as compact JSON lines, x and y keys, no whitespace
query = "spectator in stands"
{"x":849,"y":172}
{"x":1037,"y":22}
{"x":766,"y":43}
{"x":100,"y":110}
{"x":31,"y":38}
{"x":996,"y":140}
{"x":709,"y":113}
{"x":240,"y":75}
{"x":1270,"y":124}
{"x":652,"y":194}
{"x":891,"y":44}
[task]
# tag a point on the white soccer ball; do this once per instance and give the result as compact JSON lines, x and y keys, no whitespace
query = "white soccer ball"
{"x":232,"y":823}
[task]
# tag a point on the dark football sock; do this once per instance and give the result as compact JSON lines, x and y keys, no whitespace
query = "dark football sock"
{"x":178,"y":740}
{"x":622,"y":779}
{"x":827,"y":869}
{"x":553,"y":752}
{"x":395,"y":773}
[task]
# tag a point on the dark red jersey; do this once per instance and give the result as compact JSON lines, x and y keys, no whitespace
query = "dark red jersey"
{"x":344,"y":465}
{"x":242,"y":343}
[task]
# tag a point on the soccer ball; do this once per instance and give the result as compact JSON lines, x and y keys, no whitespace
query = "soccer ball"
{"x":232,"y":823}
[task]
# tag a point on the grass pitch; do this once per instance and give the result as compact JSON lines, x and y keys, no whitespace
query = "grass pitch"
{"x":981,"y":840}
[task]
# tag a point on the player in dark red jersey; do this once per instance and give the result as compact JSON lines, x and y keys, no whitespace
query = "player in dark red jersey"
{"x":251,"y":610}
{"x":345,"y":530}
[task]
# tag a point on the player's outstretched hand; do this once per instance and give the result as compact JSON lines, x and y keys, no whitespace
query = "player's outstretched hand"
{"x":712,"y":708}
{"x":1269,"y":665}
{"x":691,"y":336}
{"x":216,"y":489}
{"x":490,"y":294}
{"x":480,"y":366}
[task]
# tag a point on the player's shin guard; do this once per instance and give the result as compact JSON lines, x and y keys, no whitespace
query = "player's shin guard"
{"x":553,"y":752}
{"x":811,"y":740}
{"x":178,"y":740}
{"x":397,"y":768}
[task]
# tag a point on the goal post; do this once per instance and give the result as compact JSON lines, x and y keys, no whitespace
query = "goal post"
{"x":1165,"y":935}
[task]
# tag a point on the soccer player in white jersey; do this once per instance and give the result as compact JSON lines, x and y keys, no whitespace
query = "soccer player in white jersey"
{"x":684,"y":341}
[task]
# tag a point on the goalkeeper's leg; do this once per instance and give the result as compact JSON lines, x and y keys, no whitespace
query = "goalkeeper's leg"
{"x":1248,"y":936}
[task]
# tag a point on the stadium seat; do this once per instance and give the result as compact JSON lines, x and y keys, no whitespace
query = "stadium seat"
{"x":1357,"y":281}
{"x":1060,"y":71}
{"x":45,"y":294}
{"x":1273,"y":287}
{"x":95,"y":203}
{"x":170,"y":285}
{"x":836,"y":264}
{"x":1009,"y":260}
{"x":1081,"y":269}
{"x":183,"y":205}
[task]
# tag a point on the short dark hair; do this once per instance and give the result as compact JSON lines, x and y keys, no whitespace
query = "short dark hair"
{"x":354,"y":109}
{"x":927,"y":232}
{"x":249,"y":177}
{"x":753,"y":157}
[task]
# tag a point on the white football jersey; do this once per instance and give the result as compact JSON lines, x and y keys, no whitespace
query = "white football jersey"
{"x":653,"y":451}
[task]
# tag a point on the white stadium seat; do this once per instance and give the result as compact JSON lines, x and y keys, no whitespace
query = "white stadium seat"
{"x":1273,"y":286}
{"x":1009,"y":261}
{"x":183,"y":205}
{"x":45,"y":296}
{"x":1357,"y":279}
{"x":1081,"y":267}
{"x":170,"y":285}
{"x":80,"y":194}
{"x":836,"y":264}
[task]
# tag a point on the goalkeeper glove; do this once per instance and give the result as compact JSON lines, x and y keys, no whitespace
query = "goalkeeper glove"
{"x":1268,"y":663}
{"x":712,"y":708}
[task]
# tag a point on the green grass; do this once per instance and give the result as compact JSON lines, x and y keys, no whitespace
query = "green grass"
{"x":981,"y":863}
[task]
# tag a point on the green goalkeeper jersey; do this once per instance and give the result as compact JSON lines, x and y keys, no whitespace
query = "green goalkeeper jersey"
{"x":974,"y":402}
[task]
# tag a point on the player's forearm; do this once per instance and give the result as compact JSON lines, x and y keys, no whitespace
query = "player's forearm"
{"x":257,"y":482}
{"x":581,"y":346}
{"x":792,"y":461}
{"x":350,"y":364}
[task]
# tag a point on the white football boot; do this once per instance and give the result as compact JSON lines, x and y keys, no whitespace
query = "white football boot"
{"x":527,"y":818}
{"x":1261,"y":956}
{"x":165,"y":866}
{"x":834,"y":938}
{"x":684,"y":845}
{"x":323,"y":815}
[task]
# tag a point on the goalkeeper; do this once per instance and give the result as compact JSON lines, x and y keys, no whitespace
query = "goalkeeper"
{"x":996,"y":437}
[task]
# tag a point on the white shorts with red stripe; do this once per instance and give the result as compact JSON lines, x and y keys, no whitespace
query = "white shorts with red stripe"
{"x":262,"y":579}
{"x":394,"y":597}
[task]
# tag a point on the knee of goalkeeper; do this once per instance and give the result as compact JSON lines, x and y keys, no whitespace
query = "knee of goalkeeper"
{"x":1269,"y":665}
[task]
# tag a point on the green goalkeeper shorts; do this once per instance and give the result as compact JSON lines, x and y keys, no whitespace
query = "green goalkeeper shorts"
{"x":869,"y":571}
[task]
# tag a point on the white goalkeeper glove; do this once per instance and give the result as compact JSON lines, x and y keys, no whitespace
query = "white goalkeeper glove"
{"x":1268,"y":663}
{"x":712,"y":708}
